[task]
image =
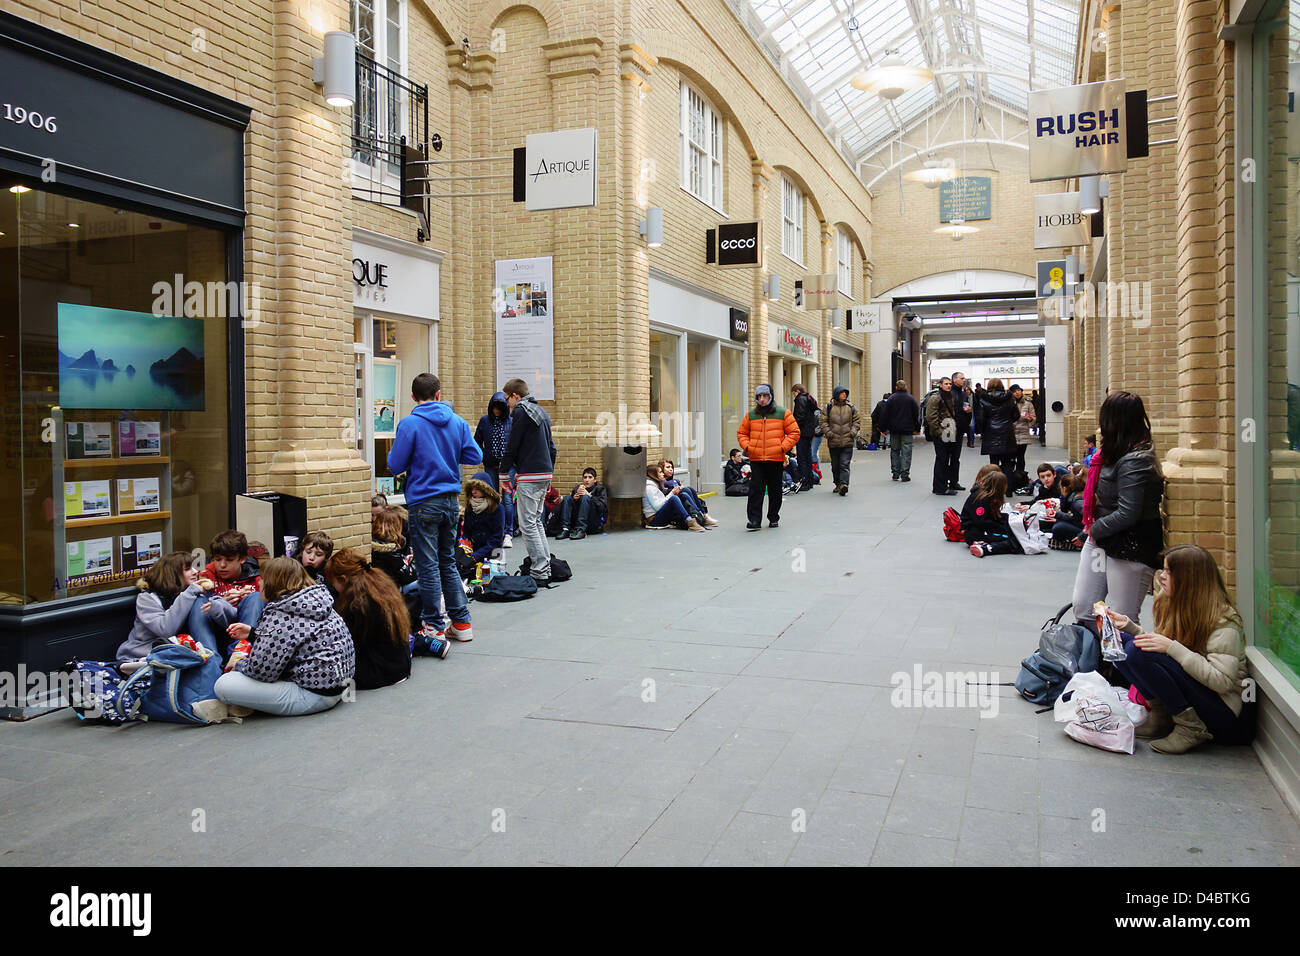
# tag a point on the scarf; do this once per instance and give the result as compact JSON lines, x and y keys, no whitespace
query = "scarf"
{"x":1090,"y":493}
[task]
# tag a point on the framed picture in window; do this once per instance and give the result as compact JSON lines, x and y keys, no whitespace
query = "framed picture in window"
{"x":388,"y":336}
{"x":385,"y":402}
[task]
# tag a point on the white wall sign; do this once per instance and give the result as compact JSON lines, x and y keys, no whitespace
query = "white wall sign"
{"x":821,"y":291}
{"x":523,"y":306}
{"x":389,"y":278}
{"x":1059,"y":223}
{"x":1077,"y":131}
{"x":560,"y":169}
{"x":867,"y":318}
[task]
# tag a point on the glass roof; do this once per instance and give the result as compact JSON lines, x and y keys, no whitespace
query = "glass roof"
{"x":990,"y":51}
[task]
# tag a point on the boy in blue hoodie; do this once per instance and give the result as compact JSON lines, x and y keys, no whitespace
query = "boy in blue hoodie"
{"x":430,"y":446}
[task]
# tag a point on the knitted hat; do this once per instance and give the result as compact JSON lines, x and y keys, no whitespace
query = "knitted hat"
{"x":763,"y":390}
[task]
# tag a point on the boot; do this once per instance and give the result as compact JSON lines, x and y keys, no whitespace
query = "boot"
{"x":1158,"y":723}
{"x":1189,"y":732}
{"x":710,"y":521}
{"x":693,"y":525}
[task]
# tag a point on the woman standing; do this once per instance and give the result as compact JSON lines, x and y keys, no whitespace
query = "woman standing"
{"x":997,"y":418}
{"x":1121,"y":512}
{"x":1190,"y":671}
{"x":1021,"y":431}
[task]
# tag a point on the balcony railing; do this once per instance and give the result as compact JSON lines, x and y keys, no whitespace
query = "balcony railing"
{"x":390,"y":128}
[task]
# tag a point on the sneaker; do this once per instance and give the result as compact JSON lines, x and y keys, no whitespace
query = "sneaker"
{"x":564,"y":533}
{"x":507,"y":543}
{"x":906,"y":478}
{"x":461,"y":631}
{"x":439,"y":648}
{"x":577,"y":535}
{"x":773,"y":523}
{"x":750,"y":526}
{"x":979,"y":549}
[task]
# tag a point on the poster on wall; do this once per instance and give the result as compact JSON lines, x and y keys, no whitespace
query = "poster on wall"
{"x":89,"y":557}
{"x":523,"y":308}
{"x":139,"y":438}
{"x":89,"y":440}
{"x":112,"y":358}
{"x":386,"y":402}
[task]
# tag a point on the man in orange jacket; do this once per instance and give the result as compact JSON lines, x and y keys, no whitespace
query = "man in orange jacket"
{"x":765,"y":434}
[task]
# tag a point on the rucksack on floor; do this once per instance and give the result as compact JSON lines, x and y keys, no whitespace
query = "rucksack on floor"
{"x":179,"y":678}
{"x":98,"y":695}
{"x":508,"y":587}
{"x":952,"y":526}
{"x":560,"y":570}
{"x":1063,"y":651}
{"x":1018,"y":480}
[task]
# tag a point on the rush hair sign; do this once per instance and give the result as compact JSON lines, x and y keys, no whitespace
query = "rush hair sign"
{"x":1078,"y":131}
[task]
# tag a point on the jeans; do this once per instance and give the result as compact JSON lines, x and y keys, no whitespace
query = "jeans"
{"x":816,"y":446}
{"x":900,"y":454}
{"x":764,"y":476}
{"x":841,"y":459}
{"x":579,"y":513}
{"x":671,"y":512}
{"x":1123,"y":585}
{"x":693,"y":502}
{"x":945,"y":465}
{"x":433,"y":542}
{"x":532,"y":522}
{"x":212,"y":634}
{"x":283,"y":698}
{"x":805,"y":459}
{"x":1018,"y":460}
{"x":1160,"y":677}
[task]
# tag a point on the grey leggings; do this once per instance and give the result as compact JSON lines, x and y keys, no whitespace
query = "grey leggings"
{"x":1123,"y":585}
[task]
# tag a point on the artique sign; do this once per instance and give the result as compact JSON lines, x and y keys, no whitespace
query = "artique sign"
{"x":866,"y":318}
{"x":794,"y":342}
{"x":1058,"y":221}
{"x":560,"y":169}
{"x":1077,"y":131}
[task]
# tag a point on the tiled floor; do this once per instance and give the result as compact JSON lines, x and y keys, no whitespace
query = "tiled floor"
{"x":720,"y":698}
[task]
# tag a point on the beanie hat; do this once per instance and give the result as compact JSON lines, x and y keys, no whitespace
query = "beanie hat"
{"x":763,"y":390}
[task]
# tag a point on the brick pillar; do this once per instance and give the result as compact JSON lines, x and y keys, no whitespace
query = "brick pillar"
{"x":758,"y":362}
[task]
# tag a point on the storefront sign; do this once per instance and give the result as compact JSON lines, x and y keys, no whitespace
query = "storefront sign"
{"x":1055,"y":290}
{"x":390,"y":275}
{"x":1077,"y":131}
{"x":739,"y":244}
{"x":1058,"y":221}
{"x":965,"y":198}
{"x":524,"y":311}
{"x":560,"y":169}
{"x":794,"y":342}
{"x":866,"y":318}
{"x":739,"y":325}
{"x":821,"y":292}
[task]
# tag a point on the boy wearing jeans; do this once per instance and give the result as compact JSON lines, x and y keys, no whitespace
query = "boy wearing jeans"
{"x":430,"y":446}
{"x":236,"y":598}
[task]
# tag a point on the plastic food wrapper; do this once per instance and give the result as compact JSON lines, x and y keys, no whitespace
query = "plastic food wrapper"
{"x":1112,"y":644}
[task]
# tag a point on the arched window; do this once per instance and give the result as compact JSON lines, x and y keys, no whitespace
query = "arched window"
{"x":791,"y":220}
{"x":700,"y":129}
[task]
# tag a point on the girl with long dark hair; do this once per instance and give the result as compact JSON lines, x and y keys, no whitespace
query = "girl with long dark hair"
{"x":376,"y":616}
{"x":1121,"y":512}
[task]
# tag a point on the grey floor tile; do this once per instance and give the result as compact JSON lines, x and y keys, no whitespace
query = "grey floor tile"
{"x":905,"y":849}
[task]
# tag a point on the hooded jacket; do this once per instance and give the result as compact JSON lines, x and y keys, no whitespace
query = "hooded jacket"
{"x":493,"y":433}
{"x":996,"y":420}
{"x":301,"y":638}
{"x":431,"y":444}
{"x":767,"y":433}
{"x":939,"y":409}
{"x":841,"y":424}
{"x":733,"y":476}
{"x":530,"y":451}
{"x":156,"y":623}
{"x":484,"y":530}
{"x":397,"y":562}
{"x":1026,"y":417}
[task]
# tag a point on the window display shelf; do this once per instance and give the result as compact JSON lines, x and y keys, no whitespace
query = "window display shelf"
{"x":118,"y":519}
{"x":116,"y":462}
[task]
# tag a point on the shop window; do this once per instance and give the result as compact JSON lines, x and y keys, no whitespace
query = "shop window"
{"x":399,"y":350}
{"x":844,"y":263}
{"x":116,"y":439}
{"x":701,"y":148}
{"x":791,"y":221}
{"x":734,"y":395}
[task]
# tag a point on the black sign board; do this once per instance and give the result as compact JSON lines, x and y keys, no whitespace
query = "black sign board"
{"x":739,"y":325}
{"x":739,"y":244}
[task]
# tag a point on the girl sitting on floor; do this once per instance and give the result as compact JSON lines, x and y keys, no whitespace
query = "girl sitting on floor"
{"x":167,"y":593}
{"x":662,"y":508}
{"x":376,"y":616}
{"x":983,"y":523}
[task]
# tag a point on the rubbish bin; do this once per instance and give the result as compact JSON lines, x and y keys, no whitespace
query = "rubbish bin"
{"x":624,"y":468}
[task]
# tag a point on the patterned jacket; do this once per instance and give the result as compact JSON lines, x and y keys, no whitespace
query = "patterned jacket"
{"x":301,"y":638}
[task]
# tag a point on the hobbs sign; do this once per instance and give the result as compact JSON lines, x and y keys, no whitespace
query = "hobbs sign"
{"x":739,"y":244}
{"x":1077,"y":131}
{"x":560,"y":169}
{"x":1058,"y":222}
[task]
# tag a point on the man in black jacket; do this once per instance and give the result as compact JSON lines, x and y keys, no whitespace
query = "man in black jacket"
{"x":585,"y":508}
{"x":734,"y":480}
{"x":902,"y":419}
{"x":879,"y":437}
{"x":805,"y":416}
{"x":961,"y":403}
{"x":531,"y":453}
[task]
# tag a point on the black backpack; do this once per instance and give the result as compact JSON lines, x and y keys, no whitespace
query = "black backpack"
{"x":560,"y":570}
{"x":508,"y":587}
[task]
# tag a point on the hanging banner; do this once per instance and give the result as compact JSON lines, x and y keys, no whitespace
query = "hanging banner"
{"x":1077,"y":131}
{"x":525,"y":324}
{"x":1059,"y":223}
{"x":820,"y":291}
{"x":966,"y":198}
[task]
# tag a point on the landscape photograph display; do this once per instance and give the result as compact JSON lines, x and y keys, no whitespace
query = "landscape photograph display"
{"x":112,"y":358}
{"x":86,"y":499}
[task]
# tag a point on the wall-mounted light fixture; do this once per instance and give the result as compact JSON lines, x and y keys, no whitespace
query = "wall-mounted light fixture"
{"x":652,"y":227}
{"x":772,"y":288}
{"x":1089,"y":195}
{"x":836,"y":318}
{"x":336,"y":71}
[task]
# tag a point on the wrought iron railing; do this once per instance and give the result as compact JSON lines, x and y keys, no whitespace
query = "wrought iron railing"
{"x":390,"y":122}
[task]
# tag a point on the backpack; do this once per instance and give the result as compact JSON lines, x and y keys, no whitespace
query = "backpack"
{"x":1063,"y":651}
{"x":97,"y":692}
{"x":508,"y":587}
{"x":1017,"y":481}
{"x":179,"y":677}
{"x":952,"y":526}
{"x":560,"y":570}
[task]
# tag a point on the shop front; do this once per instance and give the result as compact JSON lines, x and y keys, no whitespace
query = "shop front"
{"x":793,"y":360}
{"x":847,"y":361}
{"x":698,"y":355}
{"x":395,"y":295}
{"x":120,"y":276}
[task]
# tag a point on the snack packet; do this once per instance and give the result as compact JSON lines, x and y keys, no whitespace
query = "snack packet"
{"x":1112,"y":644}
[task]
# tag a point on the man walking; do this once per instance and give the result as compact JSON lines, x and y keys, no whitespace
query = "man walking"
{"x":941,"y":420}
{"x":805,"y":416}
{"x":531,"y":453}
{"x":879,"y":437}
{"x":842,"y":425}
{"x":766,"y":434}
{"x":961,"y":404}
{"x":430,"y":445}
{"x":903,"y":422}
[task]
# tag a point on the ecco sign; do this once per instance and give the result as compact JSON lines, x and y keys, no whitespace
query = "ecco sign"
{"x":1058,"y":222}
{"x":1077,"y":131}
{"x":560,"y":169}
{"x":739,"y":325}
{"x":739,"y":244}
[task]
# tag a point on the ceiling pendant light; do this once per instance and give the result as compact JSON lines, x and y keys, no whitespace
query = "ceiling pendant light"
{"x":932,"y":173}
{"x":891,"y":77}
{"x":957,"y":229}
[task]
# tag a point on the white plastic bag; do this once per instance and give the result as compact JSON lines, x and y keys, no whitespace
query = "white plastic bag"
{"x":1097,"y":714}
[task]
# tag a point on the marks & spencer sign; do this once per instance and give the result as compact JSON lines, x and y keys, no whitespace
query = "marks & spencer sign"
{"x":1077,"y":131}
{"x":560,"y":169}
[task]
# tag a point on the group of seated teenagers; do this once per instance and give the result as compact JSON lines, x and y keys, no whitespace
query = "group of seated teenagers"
{"x":985,"y":521}
{"x":666,"y":502}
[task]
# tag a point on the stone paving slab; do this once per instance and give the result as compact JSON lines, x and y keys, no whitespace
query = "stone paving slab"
{"x":773,"y":737}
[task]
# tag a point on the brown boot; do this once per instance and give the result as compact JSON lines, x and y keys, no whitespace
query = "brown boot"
{"x":693,"y":525}
{"x":1158,"y":723}
{"x":1189,"y":732}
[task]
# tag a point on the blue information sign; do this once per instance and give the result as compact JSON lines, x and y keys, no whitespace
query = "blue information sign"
{"x":966,"y":198}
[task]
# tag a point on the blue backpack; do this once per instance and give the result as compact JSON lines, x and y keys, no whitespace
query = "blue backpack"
{"x":98,"y":692}
{"x":178,"y":679}
{"x":1063,"y":651}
